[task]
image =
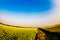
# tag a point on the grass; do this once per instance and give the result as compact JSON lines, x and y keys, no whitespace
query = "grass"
{"x":18,"y":33}
{"x":55,"y":28}
{"x":15,"y":33}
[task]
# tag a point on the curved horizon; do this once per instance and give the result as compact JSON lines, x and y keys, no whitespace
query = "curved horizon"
{"x":32,"y":17}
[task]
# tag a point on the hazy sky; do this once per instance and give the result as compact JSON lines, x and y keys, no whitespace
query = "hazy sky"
{"x":30,"y":13}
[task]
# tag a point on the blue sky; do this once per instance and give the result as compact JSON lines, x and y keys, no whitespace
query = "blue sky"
{"x":26,"y":5}
{"x":30,"y":13}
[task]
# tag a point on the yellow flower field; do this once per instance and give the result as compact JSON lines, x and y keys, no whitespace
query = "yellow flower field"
{"x":15,"y":33}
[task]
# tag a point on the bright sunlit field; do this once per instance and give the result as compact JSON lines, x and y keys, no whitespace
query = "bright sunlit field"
{"x":15,"y":33}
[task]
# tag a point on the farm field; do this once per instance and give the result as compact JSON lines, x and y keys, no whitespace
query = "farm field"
{"x":15,"y":33}
{"x":18,"y":33}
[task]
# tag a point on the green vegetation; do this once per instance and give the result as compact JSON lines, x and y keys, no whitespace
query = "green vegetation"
{"x":54,"y":28}
{"x":18,"y":33}
{"x":15,"y":33}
